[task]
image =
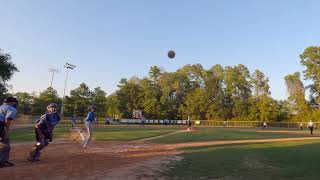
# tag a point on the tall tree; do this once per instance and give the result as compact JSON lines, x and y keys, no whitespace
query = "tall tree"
{"x":196,"y":104}
{"x":195,"y":74}
{"x":296,"y":93}
{"x":100,"y":100}
{"x":151,"y":94}
{"x":310,"y":58}
{"x":238,"y":89}
{"x":7,"y":69}
{"x":46,"y":97}
{"x":129,"y":96}
{"x":25,"y":102}
{"x":263,"y":107}
{"x":175,"y":86}
{"x":113,"y":106}
{"x":155,"y":73}
{"x":79,"y":100}
{"x":260,"y":84}
{"x":214,"y":89}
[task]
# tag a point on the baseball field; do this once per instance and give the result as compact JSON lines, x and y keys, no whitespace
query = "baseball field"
{"x":168,"y":152}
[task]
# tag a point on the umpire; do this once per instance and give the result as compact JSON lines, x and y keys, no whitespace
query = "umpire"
{"x":43,"y":130}
{"x":8,"y":113}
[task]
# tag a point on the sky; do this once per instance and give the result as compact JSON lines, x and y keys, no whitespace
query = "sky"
{"x":112,"y":39}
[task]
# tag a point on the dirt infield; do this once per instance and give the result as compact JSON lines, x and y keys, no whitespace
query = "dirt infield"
{"x":104,"y":160}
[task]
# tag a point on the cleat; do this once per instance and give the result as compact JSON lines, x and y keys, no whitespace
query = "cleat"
{"x":4,"y":165}
{"x":8,"y":163}
{"x":33,"y":159}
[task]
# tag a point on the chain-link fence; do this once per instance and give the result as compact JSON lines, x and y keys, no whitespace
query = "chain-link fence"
{"x":28,"y":119}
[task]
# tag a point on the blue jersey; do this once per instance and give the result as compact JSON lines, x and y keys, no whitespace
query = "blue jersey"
{"x":74,"y":117}
{"x":48,"y":121}
{"x":7,"y":112}
{"x":90,"y":116}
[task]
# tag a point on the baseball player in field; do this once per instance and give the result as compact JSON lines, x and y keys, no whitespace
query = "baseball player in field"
{"x":7,"y":114}
{"x":43,"y":130}
{"x":89,"y":127}
{"x":264,"y":125}
{"x":311,"y":127}
{"x":189,"y":123}
{"x":73,"y":120}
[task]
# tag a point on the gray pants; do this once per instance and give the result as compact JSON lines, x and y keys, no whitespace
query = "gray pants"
{"x":89,"y":129}
{"x":4,"y":150}
{"x":73,"y":122}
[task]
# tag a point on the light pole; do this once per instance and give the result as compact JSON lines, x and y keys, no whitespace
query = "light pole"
{"x":67,"y":66}
{"x":53,"y":71}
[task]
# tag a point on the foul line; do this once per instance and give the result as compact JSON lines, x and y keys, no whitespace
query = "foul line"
{"x":161,"y":136}
{"x":210,"y":143}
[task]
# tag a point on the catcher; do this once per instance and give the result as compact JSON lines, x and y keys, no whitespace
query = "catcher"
{"x":43,"y":130}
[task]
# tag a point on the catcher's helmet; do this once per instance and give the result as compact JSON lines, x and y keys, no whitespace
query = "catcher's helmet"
{"x":11,"y":99}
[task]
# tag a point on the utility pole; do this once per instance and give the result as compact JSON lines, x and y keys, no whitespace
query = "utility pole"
{"x":53,"y":71}
{"x":67,"y":66}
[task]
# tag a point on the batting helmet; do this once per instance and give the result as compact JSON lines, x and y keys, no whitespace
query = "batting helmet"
{"x":92,"y":107}
{"x":52,"y":105}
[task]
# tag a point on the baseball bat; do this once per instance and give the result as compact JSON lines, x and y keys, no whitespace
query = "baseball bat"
{"x":78,"y":135}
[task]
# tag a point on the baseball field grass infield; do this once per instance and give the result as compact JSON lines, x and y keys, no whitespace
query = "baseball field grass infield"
{"x":264,"y":161}
{"x":27,"y":134}
{"x":100,"y":133}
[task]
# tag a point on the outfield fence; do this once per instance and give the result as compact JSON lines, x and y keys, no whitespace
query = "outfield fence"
{"x":249,"y":124}
{"x":211,"y":123}
{"x":27,"y":119}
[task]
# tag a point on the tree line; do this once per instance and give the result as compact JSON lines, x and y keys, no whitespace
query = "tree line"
{"x":76,"y":103}
{"x":217,"y":93}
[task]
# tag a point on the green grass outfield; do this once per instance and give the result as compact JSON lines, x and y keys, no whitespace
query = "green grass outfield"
{"x":216,"y":134}
{"x":279,"y":160}
{"x":125,"y":133}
